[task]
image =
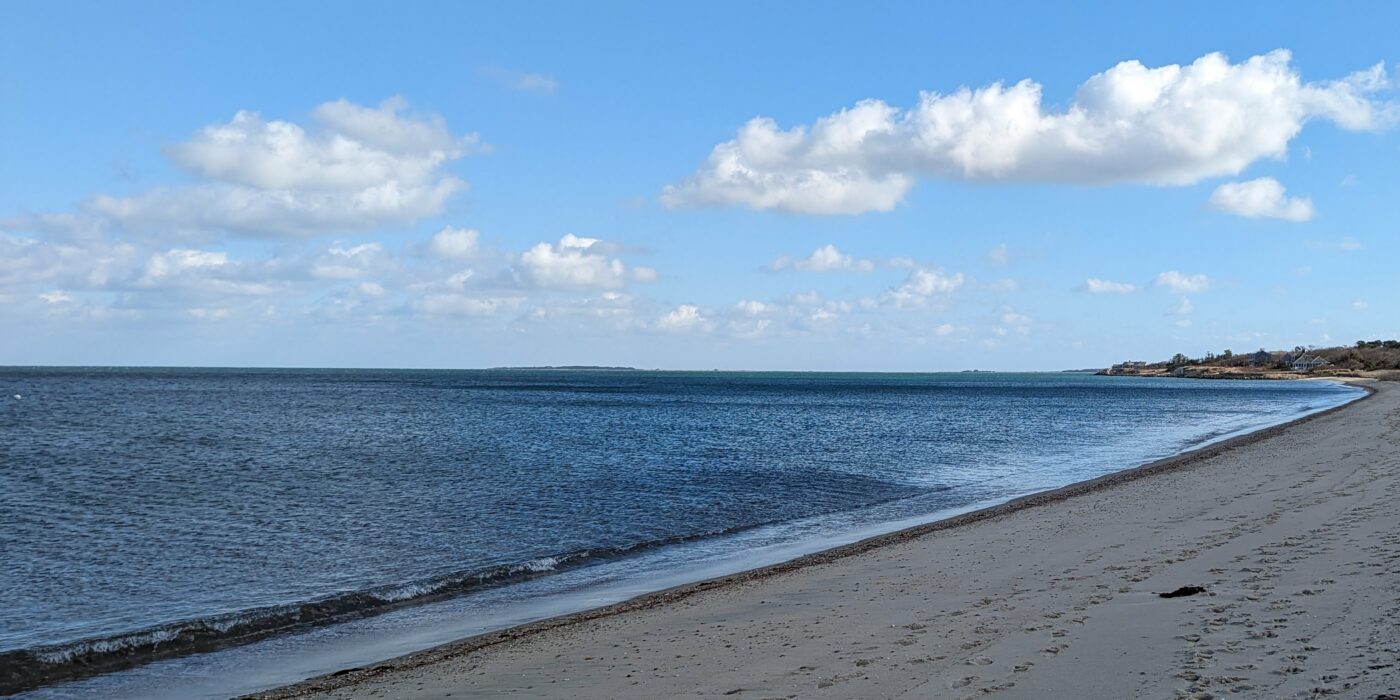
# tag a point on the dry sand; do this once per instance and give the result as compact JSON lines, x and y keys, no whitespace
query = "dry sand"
{"x":1295,"y":534}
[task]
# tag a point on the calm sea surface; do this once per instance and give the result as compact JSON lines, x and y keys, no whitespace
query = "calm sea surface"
{"x":146,"y":511}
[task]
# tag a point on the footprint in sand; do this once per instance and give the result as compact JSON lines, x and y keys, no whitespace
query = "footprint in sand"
{"x":964,"y":681}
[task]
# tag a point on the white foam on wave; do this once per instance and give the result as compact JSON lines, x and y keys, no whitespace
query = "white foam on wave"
{"x":536,"y":565}
{"x":69,"y":652}
{"x":409,"y":591}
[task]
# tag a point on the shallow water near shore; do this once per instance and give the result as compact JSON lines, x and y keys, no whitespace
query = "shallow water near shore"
{"x":153,"y":504}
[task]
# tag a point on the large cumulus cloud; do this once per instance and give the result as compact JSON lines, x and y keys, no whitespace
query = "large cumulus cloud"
{"x":1170,"y":125}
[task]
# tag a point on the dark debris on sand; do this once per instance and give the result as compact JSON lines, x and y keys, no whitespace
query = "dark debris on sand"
{"x":1183,"y":591}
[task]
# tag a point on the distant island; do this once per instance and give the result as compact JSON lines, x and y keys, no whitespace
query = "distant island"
{"x":569,"y":367}
{"x":1365,"y":358}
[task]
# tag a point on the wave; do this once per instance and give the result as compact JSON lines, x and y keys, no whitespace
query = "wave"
{"x":29,"y":668}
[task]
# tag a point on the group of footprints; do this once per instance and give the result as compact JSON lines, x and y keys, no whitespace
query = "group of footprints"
{"x":1256,"y":622}
{"x":1253,"y":622}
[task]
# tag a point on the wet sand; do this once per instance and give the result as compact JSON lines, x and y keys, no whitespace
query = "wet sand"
{"x":1293,"y":532}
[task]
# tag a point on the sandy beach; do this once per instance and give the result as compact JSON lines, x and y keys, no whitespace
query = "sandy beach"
{"x":1294,"y":533}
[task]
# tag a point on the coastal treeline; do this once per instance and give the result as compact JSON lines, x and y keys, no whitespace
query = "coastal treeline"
{"x":1363,"y":356}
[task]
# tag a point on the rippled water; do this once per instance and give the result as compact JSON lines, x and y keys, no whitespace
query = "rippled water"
{"x":172,"y":510}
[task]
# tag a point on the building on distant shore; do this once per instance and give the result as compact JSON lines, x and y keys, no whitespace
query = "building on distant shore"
{"x":1129,"y":366}
{"x":1308,"y":362}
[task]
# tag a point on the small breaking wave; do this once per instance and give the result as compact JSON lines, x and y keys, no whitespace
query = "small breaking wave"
{"x":26,"y":669}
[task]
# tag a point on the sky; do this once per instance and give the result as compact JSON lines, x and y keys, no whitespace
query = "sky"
{"x":764,"y":186}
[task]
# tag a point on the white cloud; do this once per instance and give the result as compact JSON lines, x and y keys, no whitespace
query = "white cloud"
{"x":750,"y":307}
{"x":363,"y":168}
{"x":999,"y":254}
{"x":924,"y":284}
{"x":465,"y":305}
{"x":749,"y":328}
{"x":1183,"y":307}
{"x":572,"y":263}
{"x":89,"y":265}
{"x":1263,"y":198}
{"x":253,"y":212}
{"x":57,"y":296}
{"x":927,"y":281}
{"x":537,"y":83}
{"x":766,"y":168}
{"x":824,"y":259}
{"x":203,"y":272}
{"x":683,"y":319}
{"x":1179,"y":283}
{"x":344,"y":263}
{"x":1014,"y":322}
{"x":357,"y":148}
{"x":64,"y":226}
{"x":207,"y":314}
{"x":454,"y":243}
{"x":1171,"y":125}
{"x":458,"y":280}
{"x":179,"y":261}
{"x":604,"y":312}
{"x":290,"y":280}
{"x":420,"y":143}
{"x":1098,"y":286}
{"x":1360,"y":304}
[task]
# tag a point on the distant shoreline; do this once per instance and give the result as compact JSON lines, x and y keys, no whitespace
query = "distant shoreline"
{"x":566,"y":368}
{"x":1245,"y":373}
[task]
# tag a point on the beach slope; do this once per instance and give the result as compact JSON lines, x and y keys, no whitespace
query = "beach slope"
{"x":1294,"y":534}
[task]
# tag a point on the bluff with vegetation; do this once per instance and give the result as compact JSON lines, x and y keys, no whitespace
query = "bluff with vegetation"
{"x":1366,"y":356}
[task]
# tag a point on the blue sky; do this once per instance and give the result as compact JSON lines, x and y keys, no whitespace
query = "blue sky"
{"x":452,"y":185}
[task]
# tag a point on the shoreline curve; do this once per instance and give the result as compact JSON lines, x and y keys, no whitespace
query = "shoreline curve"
{"x":347,"y":678}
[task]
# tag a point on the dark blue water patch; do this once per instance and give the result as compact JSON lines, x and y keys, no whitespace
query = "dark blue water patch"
{"x":140,"y":501}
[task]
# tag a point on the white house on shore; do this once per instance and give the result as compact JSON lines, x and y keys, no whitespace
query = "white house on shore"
{"x":1308,"y":362}
{"x":1129,"y":367}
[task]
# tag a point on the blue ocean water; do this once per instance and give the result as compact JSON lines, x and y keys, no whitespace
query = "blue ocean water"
{"x":155,"y":512}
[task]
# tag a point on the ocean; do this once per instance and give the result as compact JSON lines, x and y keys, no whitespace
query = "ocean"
{"x":209,"y":532}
